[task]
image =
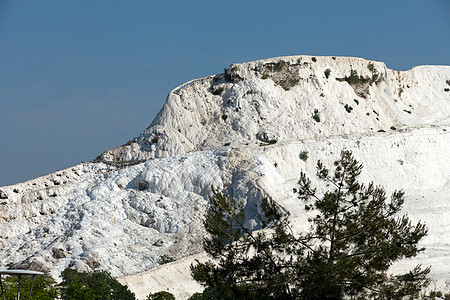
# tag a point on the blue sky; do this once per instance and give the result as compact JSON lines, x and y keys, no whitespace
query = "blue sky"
{"x":78,"y":77}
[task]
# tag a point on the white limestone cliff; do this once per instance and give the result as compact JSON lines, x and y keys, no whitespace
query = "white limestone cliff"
{"x":241,"y":131}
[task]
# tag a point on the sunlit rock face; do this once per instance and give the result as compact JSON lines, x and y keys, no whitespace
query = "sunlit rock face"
{"x":245,"y":132}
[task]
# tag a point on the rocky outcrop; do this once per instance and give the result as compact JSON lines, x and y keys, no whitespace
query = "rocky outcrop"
{"x":289,"y":99}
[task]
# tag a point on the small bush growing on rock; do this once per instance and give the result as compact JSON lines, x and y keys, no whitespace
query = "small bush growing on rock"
{"x":348,"y":108}
{"x":217,"y":91}
{"x":163,"y":295}
{"x":393,"y":128}
{"x":314,"y":59}
{"x":316,"y":115}
{"x":280,"y":65}
{"x":164,"y":259}
{"x":327,"y":73}
{"x":304,"y":155}
{"x":227,"y":76}
{"x":354,"y":78}
{"x":224,"y":117}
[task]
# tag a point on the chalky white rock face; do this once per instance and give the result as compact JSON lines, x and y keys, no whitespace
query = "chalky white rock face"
{"x":143,"y":200}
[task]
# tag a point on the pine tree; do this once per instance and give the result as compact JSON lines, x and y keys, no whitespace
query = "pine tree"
{"x":356,"y":235}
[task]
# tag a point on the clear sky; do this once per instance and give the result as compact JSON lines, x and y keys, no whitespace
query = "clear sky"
{"x":78,"y":77}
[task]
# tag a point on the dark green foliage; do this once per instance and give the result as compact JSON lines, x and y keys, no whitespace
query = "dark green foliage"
{"x":348,"y":108}
{"x":381,"y":130}
{"x":316,"y":116}
{"x":238,"y":275}
{"x":271,"y":142}
{"x":446,"y":90}
{"x":356,"y":101}
{"x":393,"y":128}
{"x":354,"y":78}
{"x":371,"y":68}
{"x":334,"y":57}
{"x":304,"y":155}
{"x":288,"y":83}
{"x":279,"y":65}
{"x":224,"y":117}
{"x":43,"y":287}
{"x":407,"y":111}
{"x":364,"y":235}
{"x":163,"y":295}
{"x":92,"y":285}
{"x":227,"y":76}
{"x":217,"y":91}
{"x":355,"y":237}
{"x":314,"y":59}
{"x":164,"y":259}
{"x":327,"y":73}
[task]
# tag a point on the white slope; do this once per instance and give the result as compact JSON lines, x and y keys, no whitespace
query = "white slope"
{"x":123,"y":212}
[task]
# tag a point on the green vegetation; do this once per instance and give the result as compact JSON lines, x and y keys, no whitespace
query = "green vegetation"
{"x":314,"y":59}
{"x":371,"y":68}
{"x":227,"y":76}
{"x":163,"y":295}
{"x":348,"y":108}
{"x":316,"y":116}
{"x":224,"y":117}
{"x":43,"y":287}
{"x":280,"y":65}
{"x":356,"y":235}
{"x":354,"y":78}
{"x":265,"y":76}
{"x":393,"y":128}
{"x":288,"y":83}
{"x":217,"y":91}
{"x":304,"y":155}
{"x":156,"y":139}
{"x":164,"y":259}
{"x":92,"y":285}
{"x":327,"y":73}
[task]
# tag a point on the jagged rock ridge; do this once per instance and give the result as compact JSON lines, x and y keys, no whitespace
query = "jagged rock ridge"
{"x":241,"y":131}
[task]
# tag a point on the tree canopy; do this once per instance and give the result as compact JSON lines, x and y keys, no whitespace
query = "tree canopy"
{"x":356,"y":234}
{"x":92,"y":285}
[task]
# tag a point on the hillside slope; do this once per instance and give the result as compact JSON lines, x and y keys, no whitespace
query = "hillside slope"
{"x":284,"y":98}
{"x":241,"y":131}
